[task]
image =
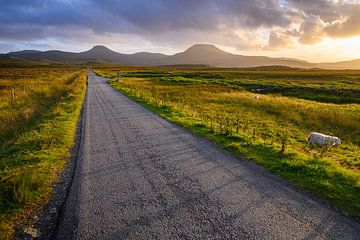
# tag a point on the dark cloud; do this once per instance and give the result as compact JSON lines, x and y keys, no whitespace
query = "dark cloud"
{"x":170,"y":20}
{"x":160,"y":15}
{"x":136,"y":16}
{"x":257,"y":13}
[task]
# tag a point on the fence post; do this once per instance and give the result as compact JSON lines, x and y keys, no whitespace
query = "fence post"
{"x":13,"y":95}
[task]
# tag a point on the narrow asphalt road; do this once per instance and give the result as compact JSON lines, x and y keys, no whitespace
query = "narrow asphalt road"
{"x":140,"y":177}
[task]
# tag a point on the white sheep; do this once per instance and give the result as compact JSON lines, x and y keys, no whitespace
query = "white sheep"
{"x":320,"y":139}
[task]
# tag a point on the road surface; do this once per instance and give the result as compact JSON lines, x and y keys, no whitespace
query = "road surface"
{"x":140,"y":177}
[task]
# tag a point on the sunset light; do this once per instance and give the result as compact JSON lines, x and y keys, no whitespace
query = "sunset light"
{"x":179,"y":119}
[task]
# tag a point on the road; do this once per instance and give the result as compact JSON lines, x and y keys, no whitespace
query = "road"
{"x":140,"y":177}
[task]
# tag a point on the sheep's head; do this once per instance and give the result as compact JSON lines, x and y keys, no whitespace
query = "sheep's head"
{"x":336,"y":141}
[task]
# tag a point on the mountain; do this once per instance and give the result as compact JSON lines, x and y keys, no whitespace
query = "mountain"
{"x":100,"y":53}
{"x":353,"y":64}
{"x":97,"y":53}
{"x":211,"y":55}
{"x":203,"y":54}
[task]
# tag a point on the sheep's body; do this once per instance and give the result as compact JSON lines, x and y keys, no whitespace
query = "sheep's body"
{"x":320,"y":139}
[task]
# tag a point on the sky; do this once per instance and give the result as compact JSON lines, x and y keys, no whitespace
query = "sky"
{"x":312,"y":30}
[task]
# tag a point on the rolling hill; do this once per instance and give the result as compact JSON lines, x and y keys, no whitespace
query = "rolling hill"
{"x":203,"y":54}
{"x":353,"y":64}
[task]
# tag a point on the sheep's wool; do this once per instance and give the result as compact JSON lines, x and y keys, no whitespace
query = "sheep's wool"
{"x":320,"y":139}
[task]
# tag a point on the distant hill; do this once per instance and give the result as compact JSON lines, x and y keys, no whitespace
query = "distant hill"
{"x":198,"y":54}
{"x":353,"y":64}
{"x":15,"y":62}
{"x":23,"y":53}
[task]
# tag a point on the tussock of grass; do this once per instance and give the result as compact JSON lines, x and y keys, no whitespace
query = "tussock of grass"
{"x":36,"y":133}
{"x":270,"y":131}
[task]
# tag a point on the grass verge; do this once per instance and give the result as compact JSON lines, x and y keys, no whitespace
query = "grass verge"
{"x":315,"y":170}
{"x":33,"y":155}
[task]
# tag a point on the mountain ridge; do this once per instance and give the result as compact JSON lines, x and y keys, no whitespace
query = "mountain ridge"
{"x":205,"y":54}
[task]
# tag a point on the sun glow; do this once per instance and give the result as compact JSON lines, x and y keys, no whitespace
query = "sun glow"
{"x":329,"y":50}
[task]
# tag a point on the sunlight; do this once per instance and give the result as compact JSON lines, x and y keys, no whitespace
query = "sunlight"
{"x":350,"y":48}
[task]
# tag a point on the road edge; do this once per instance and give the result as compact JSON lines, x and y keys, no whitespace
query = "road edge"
{"x":44,"y":224}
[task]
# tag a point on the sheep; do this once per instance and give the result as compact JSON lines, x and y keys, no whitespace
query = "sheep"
{"x":256,"y":97}
{"x":320,"y":139}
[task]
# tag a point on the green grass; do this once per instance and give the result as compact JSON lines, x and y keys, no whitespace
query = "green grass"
{"x":270,"y":131}
{"x":329,"y":86}
{"x":37,"y":132}
{"x":316,"y":86}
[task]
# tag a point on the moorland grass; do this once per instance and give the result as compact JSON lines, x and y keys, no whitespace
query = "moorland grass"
{"x":37,"y":130}
{"x":270,"y":130}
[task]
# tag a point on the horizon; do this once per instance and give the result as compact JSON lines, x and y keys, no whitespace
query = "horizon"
{"x":324,"y":31}
{"x":171,"y":54}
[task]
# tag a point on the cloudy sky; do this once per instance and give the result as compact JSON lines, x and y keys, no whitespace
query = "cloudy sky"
{"x":314,"y":30}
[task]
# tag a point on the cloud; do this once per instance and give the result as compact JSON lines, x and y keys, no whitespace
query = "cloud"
{"x":347,"y":25}
{"x":138,"y":16}
{"x":312,"y":30}
{"x":327,"y":18}
{"x":241,"y":24}
{"x":278,"y":40}
{"x":327,"y":10}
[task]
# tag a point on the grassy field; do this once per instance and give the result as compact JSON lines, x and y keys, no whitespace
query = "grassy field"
{"x":39,"y":110}
{"x":264,"y":114}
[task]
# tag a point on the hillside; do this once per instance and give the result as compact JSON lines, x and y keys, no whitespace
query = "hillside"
{"x":353,"y":64}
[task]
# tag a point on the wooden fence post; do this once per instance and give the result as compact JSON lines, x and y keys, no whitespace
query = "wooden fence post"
{"x":13,"y":95}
